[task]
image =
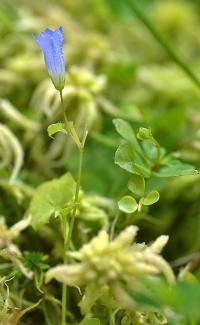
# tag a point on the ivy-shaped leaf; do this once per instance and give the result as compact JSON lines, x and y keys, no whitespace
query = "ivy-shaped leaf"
{"x":50,"y":198}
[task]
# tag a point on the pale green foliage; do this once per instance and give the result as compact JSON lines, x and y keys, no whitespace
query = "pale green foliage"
{"x":10,"y":149}
{"x":5,"y":306}
{"x":102,"y":263}
{"x":82,"y":87}
{"x":90,"y":321}
{"x":55,"y":128}
{"x":52,"y":199}
{"x":8,"y":250}
{"x":13,"y":114}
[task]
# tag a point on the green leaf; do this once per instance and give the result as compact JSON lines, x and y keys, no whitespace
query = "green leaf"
{"x":137,"y":185}
{"x":35,"y":261}
{"x":182,"y":299}
{"x":176,"y":168}
{"x":127,"y":133}
{"x":151,"y":198}
{"x":55,"y":128}
{"x":128,"y":204}
{"x":50,"y":198}
{"x":90,"y":321}
{"x":129,"y":160}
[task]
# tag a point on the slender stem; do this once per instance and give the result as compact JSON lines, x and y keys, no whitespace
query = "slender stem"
{"x":64,"y":114}
{"x":64,"y":286}
{"x":69,"y":125}
{"x":76,"y":198}
{"x":157,"y":160}
{"x":157,"y":145}
{"x":64,"y":224}
{"x":112,"y":230}
{"x":48,"y":320}
{"x":67,"y":239}
{"x":67,"y":236}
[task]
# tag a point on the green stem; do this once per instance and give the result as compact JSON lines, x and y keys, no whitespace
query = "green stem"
{"x":64,"y":286}
{"x":67,"y":123}
{"x":67,"y":237}
{"x":157,"y":145}
{"x":112,"y":230}
{"x":76,"y":198}
{"x":163,"y":43}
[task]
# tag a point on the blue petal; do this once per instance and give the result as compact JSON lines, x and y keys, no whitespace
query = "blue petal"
{"x":58,"y":36}
{"x":50,"y":42}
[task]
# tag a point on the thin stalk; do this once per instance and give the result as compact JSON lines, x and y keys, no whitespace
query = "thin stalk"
{"x":76,"y":198}
{"x":67,"y":236}
{"x":163,"y":43}
{"x":112,"y":230}
{"x":157,"y":145}
{"x":64,"y":224}
{"x":48,"y":320}
{"x":67,"y":123}
{"x":64,"y":286}
{"x":67,"y":239}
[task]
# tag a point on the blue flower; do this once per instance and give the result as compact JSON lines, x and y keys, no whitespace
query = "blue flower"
{"x":51,"y":42}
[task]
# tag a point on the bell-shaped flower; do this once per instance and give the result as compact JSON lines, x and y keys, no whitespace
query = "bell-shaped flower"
{"x":51,"y":42}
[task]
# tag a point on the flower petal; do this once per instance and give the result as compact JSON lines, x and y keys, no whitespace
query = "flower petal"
{"x":50,"y":42}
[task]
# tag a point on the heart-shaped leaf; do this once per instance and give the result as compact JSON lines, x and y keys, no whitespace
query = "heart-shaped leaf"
{"x":128,"y":204}
{"x":50,"y":198}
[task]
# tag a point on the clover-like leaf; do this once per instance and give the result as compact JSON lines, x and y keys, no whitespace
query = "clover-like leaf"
{"x":127,"y":204}
{"x":151,"y":198}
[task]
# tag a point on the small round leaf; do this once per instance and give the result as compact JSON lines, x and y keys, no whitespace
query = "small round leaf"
{"x":151,"y":198}
{"x":128,"y":204}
